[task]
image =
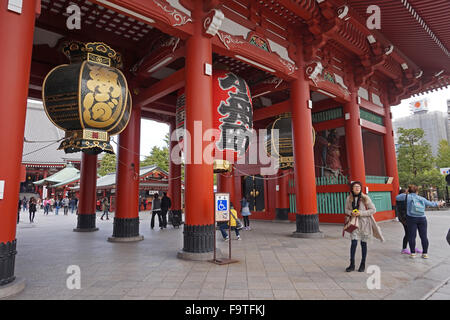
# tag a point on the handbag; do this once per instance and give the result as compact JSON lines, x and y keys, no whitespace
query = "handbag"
{"x":351,"y":225}
{"x":239,"y":225}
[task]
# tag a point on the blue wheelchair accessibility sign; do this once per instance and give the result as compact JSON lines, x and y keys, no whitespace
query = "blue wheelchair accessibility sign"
{"x":222,"y":205}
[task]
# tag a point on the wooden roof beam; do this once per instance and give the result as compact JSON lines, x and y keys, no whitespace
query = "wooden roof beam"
{"x":161,"y":89}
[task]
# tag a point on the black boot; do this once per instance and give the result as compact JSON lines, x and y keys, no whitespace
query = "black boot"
{"x":362,"y":266}
{"x":351,"y":267}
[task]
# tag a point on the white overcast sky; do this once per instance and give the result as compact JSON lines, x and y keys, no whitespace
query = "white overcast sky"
{"x":437,"y":101}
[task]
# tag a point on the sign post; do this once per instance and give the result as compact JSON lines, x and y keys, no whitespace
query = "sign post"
{"x":222,"y":214}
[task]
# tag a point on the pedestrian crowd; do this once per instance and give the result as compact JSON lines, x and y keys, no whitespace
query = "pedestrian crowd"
{"x":48,"y":205}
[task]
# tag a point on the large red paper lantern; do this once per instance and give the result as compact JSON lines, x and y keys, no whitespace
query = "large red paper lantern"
{"x":232,"y":118}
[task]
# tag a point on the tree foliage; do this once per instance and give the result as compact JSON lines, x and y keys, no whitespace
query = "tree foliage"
{"x":158,"y":156}
{"x":107,"y":164}
{"x":443,"y":157}
{"x":414,"y":153}
{"x":416,"y":164}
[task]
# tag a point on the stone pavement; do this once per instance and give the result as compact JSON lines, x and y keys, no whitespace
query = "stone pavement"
{"x":272,"y":264}
{"x":443,"y":293}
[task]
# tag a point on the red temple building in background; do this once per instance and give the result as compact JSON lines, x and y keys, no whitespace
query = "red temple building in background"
{"x":321,"y":64}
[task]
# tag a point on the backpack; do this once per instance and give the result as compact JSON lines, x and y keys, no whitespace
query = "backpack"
{"x":417,"y":207}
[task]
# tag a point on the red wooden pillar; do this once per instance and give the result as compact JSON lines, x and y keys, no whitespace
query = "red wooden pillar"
{"x":307,"y":218}
{"x":15,"y":63}
{"x":353,"y":137}
{"x":199,"y":229}
{"x":126,"y":219}
{"x":88,"y":189}
{"x":174,"y":175}
{"x":282,"y":196}
{"x":389,"y":151}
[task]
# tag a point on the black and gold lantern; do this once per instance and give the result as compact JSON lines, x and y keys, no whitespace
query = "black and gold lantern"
{"x":280,"y":146}
{"x":88,"y":98}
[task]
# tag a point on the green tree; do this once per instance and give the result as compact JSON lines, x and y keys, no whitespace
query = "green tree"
{"x":158,"y":156}
{"x":107,"y":164}
{"x":414,"y":155}
{"x":443,"y":157}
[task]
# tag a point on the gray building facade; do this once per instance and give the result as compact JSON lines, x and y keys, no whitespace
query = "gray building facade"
{"x":435,"y":124}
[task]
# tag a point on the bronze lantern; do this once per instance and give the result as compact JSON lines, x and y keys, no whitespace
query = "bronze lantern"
{"x":281,"y":147}
{"x":88,"y":98}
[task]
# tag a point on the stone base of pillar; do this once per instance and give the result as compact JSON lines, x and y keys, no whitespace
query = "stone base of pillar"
{"x":281,"y":214}
{"x":126,"y":239}
{"x":195,"y":256}
{"x":126,"y":227}
{"x":7,"y":261}
{"x":86,"y":223}
{"x":12,"y":288}
{"x":198,"y":239}
{"x":307,"y":226}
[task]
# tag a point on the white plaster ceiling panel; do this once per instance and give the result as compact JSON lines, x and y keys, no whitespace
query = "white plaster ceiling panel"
{"x":42,"y":36}
{"x":176,"y":4}
{"x":234,"y":28}
{"x":282,"y":51}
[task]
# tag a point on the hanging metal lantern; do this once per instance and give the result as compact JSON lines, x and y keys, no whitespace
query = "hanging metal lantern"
{"x":88,"y":98}
{"x":281,"y":147}
{"x":232,"y":118}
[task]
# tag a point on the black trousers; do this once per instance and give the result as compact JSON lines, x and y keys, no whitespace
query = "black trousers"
{"x":32,"y":215}
{"x":246,"y":221}
{"x":152,"y":223}
{"x":415,"y":224}
{"x":164,"y":217}
{"x":105,"y":212}
{"x":405,"y":237}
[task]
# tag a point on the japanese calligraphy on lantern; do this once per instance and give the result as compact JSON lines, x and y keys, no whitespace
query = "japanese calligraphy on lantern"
{"x":236,"y":114}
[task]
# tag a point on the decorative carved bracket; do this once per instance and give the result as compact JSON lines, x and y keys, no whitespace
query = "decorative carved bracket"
{"x":212,"y":22}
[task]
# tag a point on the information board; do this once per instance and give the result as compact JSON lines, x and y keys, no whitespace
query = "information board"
{"x":222,"y":206}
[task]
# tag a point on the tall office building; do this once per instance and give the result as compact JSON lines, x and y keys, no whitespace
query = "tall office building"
{"x":435,"y":124}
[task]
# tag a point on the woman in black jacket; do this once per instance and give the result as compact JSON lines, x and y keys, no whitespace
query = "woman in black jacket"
{"x":32,"y":209}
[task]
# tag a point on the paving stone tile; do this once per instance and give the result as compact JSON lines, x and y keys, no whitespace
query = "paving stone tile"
{"x":285,"y":294}
{"x":187,"y":292}
{"x":236,"y":293}
{"x":261,"y":293}
{"x":333,"y":293}
{"x":310,"y":294}
{"x":159,"y":292}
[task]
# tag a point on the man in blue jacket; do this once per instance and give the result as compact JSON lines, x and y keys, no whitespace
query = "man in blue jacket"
{"x":416,"y":219}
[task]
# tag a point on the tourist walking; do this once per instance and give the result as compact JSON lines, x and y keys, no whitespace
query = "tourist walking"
{"x":166,"y":203}
{"x":245,"y":212}
{"x":46,"y":206}
{"x":400,"y":209}
{"x":75,"y":206}
{"x":18,"y":210}
{"x":156,"y":210}
{"x":32,"y":209}
{"x":416,"y":219}
{"x":223,"y":225}
{"x":105,"y":208}
{"x":57,"y":204}
{"x":24,"y":203}
{"x":144,"y":203}
{"x":360,"y":205}
{"x":65,"y":205}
